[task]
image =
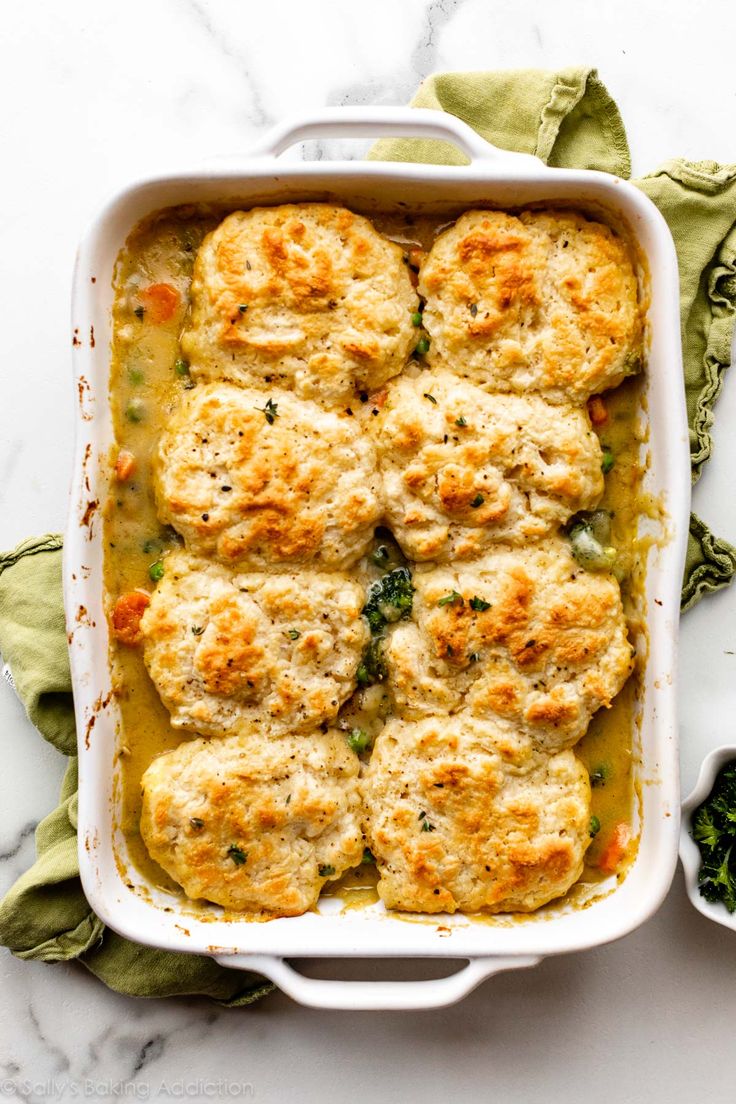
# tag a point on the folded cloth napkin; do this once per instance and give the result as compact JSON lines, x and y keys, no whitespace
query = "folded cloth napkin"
{"x":565,"y":118}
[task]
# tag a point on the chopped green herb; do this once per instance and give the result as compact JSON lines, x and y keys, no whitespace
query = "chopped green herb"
{"x":197,"y":630}
{"x":156,"y":571}
{"x":473,"y":309}
{"x":358,"y":740}
{"x":270,"y":411}
{"x":422,"y":346}
{"x":431,"y":398}
{"x":478,"y":604}
{"x":139,"y":312}
{"x":594,"y":826}
{"x":450,"y":599}
{"x":243,"y":308}
{"x":152,"y":544}
{"x":196,"y":823}
{"x":477,"y":501}
{"x":608,"y":460}
{"x":237,"y":854}
{"x":427,"y":827}
{"x":294,"y":634}
{"x":416,"y":318}
{"x":460,"y":421}
{"x":368,"y":856}
{"x":181,"y":367}
{"x":326,"y":870}
{"x":474,"y":657}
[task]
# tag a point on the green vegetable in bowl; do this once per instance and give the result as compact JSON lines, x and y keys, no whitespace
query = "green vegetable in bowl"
{"x":590,"y":537}
{"x":714,"y":831}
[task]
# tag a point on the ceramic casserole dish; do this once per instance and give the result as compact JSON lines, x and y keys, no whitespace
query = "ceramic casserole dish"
{"x":116,"y":891}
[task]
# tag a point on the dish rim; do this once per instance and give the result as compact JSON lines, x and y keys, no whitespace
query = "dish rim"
{"x":502,"y":947}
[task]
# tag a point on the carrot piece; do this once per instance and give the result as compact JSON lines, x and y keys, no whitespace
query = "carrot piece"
{"x":125,"y":466}
{"x":597,"y":410}
{"x":126,"y":616}
{"x":615,"y":848}
{"x":160,"y":301}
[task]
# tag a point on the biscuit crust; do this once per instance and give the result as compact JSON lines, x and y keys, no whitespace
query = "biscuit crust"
{"x":267,"y":490}
{"x":228,"y":650}
{"x":523,"y":636}
{"x":543,"y":301}
{"x":463,"y":469}
{"x":308,"y":297}
{"x":462,"y":815}
{"x":252,"y":823}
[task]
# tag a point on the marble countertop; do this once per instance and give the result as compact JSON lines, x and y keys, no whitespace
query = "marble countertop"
{"x":97,"y":93}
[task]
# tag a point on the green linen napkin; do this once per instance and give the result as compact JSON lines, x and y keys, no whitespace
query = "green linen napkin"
{"x":566,"y":118}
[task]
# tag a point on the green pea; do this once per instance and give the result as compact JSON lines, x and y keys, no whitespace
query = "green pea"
{"x":358,"y":740}
{"x":156,"y":571}
{"x":135,"y":410}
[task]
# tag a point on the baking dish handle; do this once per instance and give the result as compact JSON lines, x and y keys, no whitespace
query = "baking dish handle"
{"x":376,"y":996}
{"x":388,"y":122}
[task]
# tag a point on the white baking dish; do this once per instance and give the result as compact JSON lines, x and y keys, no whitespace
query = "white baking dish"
{"x":117,"y":892}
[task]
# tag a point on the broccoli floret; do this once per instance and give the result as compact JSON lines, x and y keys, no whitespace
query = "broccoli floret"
{"x":372,"y":667}
{"x":714,"y":830}
{"x":389,"y":599}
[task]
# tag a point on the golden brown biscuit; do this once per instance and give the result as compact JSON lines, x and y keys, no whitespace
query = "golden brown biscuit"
{"x":525,"y":636}
{"x":227,"y":650}
{"x":462,"y":815}
{"x":267,"y":486}
{"x":308,"y":297}
{"x":254,"y":823}
{"x":544,"y":301}
{"x":463,"y":469}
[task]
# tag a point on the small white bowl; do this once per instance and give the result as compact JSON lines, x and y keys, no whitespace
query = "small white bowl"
{"x":689,"y":850}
